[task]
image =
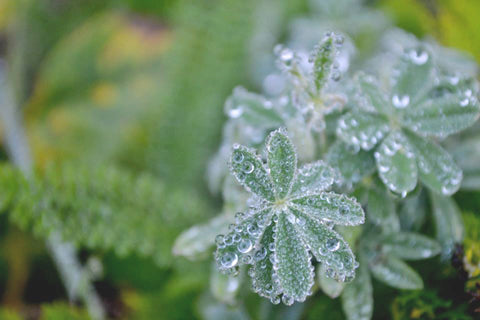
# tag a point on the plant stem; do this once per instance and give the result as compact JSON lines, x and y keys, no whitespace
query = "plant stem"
{"x":75,"y":278}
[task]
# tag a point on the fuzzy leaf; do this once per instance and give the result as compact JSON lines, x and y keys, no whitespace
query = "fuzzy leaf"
{"x":396,"y":273}
{"x":236,"y":247}
{"x":254,"y":109}
{"x":357,"y":297}
{"x":381,"y":210}
{"x":323,"y":57}
{"x":396,"y":163}
{"x":370,"y":96}
{"x":466,"y":155}
{"x":352,"y":164}
{"x":195,"y":242}
{"x":248,"y":169}
{"x":414,"y":75}
{"x":294,"y":268}
{"x":329,"y":286}
{"x":314,"y":177}
{"x":437,"y":168}
{"x":262,"y":271}
{"x":448,"y":223}
{"x":329,"y":206}
{"x":363,"y":129}
{"x":326,"y":245}
{"x":444,"y":114}
{"x":282,"y":161}
{"x":410,"y":246}
{"x":412,"y":212}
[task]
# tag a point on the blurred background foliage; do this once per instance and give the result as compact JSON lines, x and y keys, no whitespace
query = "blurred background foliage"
{"x":140,"y":85}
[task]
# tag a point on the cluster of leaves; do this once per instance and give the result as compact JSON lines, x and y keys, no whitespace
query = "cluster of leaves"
{"x":104,"y":208}
{"x":381,"y":131}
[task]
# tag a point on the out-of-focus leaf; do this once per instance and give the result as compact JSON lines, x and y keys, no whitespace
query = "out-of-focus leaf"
{"x":329,"y":286}
{"x":381,"y":210}
{"x":437,"y":168}
{"x":394,"y":272}
{"x":352,"y":164}
{"x":412,"y":212}
{"x":363,"y":129}
{"x":396,"y":164}
{"x":448,"y":223}
{"x":410,"y":246}
{"x":466,"y":154}
{"x":223,"y":287}
{"x":196,"y":242}
{"x":62,"y":311}
{"x":357,"y":296}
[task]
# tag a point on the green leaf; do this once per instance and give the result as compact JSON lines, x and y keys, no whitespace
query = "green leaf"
{"x":437,"y":169}
{"x":381,"y":210}
{"x":445,"y":113}
{"x":102,"y":207}
{"x":329,"y":286}
{"x":313,"y":177}
{"x":293,"y":266}
{"x":466,"y":154}
{"x":282,"y":161}
{"x":224,"y":287}
{"x":396,"y":273}
{"x":329,"y":206}
{"x":248,"y":169}
{"x":412,"y":212}
{"x":254,"y":109}
{"x":414,"y":74}
{"x":448,"y":223}
{"x":262,"y":271}
{"x":410,"y":246}
{"x":236,"y":247}
{"x":396,"y":164}
{"x":370,"y":96}
{"x":357,"y":296}
{"x":323,"y":57}
{"x":195,"y":243}
{"x":363,"y":129}
{"x":353,"y":164}
{"x":326,"y":245}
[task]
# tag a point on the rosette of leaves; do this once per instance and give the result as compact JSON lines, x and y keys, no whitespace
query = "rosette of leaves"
{"x":404,"y":121}
{"x":292,"y":219}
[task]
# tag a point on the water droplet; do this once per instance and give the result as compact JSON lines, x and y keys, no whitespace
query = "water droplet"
{"x":332,"y":245}
{"x":275,"y":300}
{"x":287,"y":300}
{"x":245,"y":245}
{"x":248,"y":167}
{"x":238,"y":157}
{"x":400,"y":102}
{"x":419,"y":57}
{"x":260,"y":254}
{"x":229,"y":260}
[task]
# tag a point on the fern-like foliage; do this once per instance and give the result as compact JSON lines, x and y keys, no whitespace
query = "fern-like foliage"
{"x":292,"y":216}
{"x":102,"y":207}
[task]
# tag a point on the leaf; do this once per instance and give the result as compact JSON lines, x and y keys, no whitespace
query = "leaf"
{"x":293,"y":266}
{"x":249,"y":171}
{"x":326,"y":245}
{"x":329,"y":286}
{"x":381,"y":210}
{"x":445,"y":113}
{"x":395,"y":273}
{"x":262,"y":271}
{"x":102,"y":207}
{"x":413,"y":77}
{"x":236,"y":247}
{"x":314,"y":177}
{"x":352,"y":164}
{"x":254,"y":109}
{"x":282,"y":161}
{"x":329,"y":206}
{"x":363,"y":129}
{"x":437,"y":169}
{"x":410,"y":246}
{"x":466,"y":154}
{"x":323,"y":57}
{"x":396,"y":164}
{"x":195,"y":242}
{"x":412,"y":212}
{"x":357,"y":296}
{"x":223,"y":287}
{"x":370,"y":96}
{"x":448,"y":223}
